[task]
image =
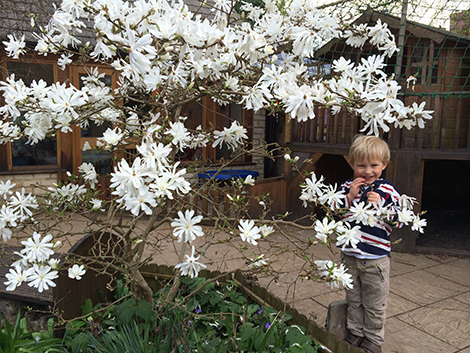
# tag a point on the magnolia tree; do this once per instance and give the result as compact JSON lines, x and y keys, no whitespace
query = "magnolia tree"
{"x":167,"y":57}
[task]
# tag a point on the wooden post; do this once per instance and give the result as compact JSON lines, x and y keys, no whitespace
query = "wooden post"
{"x":408,"y":176}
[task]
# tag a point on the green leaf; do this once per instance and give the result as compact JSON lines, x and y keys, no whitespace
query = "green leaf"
{"x":247,"y":338}
{"x":144,"y":310}
{"x":87,"y":307}
{"x":125,"y":311}
{"x":80,"y":342}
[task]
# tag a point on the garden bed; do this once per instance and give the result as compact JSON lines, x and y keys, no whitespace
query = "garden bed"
{"x":156,"y":275}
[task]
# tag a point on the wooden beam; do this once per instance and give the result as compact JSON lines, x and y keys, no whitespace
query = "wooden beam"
{"x":319,"y":147}
{"x":408,"y":174}
{"x":288,"y":133}
{"x":457,"y":123}
{"x":442,"y":137}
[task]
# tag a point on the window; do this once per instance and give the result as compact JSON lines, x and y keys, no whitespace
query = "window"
{"x":19,"y":154}
{"x":211,"y":115}
{"x":424,"y":62}
{"x":103,"y":161}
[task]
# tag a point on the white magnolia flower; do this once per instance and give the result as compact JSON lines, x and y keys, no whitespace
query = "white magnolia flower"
{"x":143,"y":201}
{"x":112,"y":137}
{"x":16,"y":277}
{"x":54,"y":263}
{"x":300,"y":103}
{"x":185,"y":227}
{"x":418,"y":224}
{"x":15,"y":47}
{"x":89,"y":173}
{"x":249,"y":232}
{"x":407,"y":201}
{"x":64,"y":60}
{"x":96,"y":204}
{"x":340,"y":275}
{"x":41,"y":277}
{"x":8,"y":217}
{"x":331,"y":197}
{"x":37,"y":249}
{"x":249,"y":180}
{"x":266,"y":230}
{"x":190,"y":265}
{"x":5,"y":188}
{"x":76,"y":272}
{"x":232,"y":136}
{"x":334,"y":274}
{"x":86,"y":146}
{"x":129,"y":181}
{"x":324,"y":229}
{"x":342,"y":64}
{"x":362,"y":212}
{"x":349,"y":237}
{"x":260,"y":261}
{"x":405,"y":216}
{"x":312,"y":189}
{"x":22,"y":204}
{"x":5,"y":233}
{"x":324,"y":267}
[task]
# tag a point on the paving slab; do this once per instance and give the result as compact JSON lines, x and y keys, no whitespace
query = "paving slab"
{"x":402,"y":263}
{"x":397,"y":305}
{"x":330,"y":297}
{"x":464,"y":298}
{"x":291,"y":289}
{"x":401,"y":337}
{"x":466,"y":350}
{"x":457,"y":271}
{"x":312,"y":310}
{"x":421,"y":287}
{"x":447,"y":320}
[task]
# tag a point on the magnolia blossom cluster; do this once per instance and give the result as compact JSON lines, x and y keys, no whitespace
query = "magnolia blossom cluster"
{"x":315,"y":191}
{"x":16,"y":207}
{"x":178,"y":56}
{"x":368,"y":83}
{"x":334,"y":274}
{"x":185,"y":228}
{"x":166,"y":56}
{"x":36,"y":266}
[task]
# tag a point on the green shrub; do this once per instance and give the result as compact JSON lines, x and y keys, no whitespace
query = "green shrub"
{"x":216,"y":318}
{"x":18,"y":339}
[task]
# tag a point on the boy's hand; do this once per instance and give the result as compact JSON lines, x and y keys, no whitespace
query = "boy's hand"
{"x":373,"y":197}
{"x":355,"y":187}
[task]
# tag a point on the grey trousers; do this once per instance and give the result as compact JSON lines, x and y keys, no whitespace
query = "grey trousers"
{"x":367,"y":301}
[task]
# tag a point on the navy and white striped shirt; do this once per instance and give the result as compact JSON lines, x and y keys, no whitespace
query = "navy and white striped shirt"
{"x":375,"y":241}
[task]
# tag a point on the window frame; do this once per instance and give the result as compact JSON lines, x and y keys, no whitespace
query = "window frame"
{"x":428,"y":64}
{"x":210,"y":110}
{"x":78,"y":140}
{"x":7,"y":165}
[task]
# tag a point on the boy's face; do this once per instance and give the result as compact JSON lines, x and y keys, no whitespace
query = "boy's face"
{"x":370,"y":170}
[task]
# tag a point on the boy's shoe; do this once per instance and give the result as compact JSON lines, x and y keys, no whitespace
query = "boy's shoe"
{"x":354,"y":340}
{"x":369,"y":347}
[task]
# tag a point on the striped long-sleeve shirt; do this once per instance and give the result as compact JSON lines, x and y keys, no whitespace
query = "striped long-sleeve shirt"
{"x":375,"y":241}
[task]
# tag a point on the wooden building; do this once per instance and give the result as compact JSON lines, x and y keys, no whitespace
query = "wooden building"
{"x":440,"y":61}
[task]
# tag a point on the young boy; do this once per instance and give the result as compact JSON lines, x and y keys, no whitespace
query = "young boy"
{"x":369,"y":263}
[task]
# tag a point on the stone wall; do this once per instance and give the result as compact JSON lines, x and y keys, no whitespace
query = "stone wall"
{"x":30,"y":181}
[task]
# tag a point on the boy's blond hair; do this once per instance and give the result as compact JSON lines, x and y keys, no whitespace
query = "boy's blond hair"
{"x":368,"y":147}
